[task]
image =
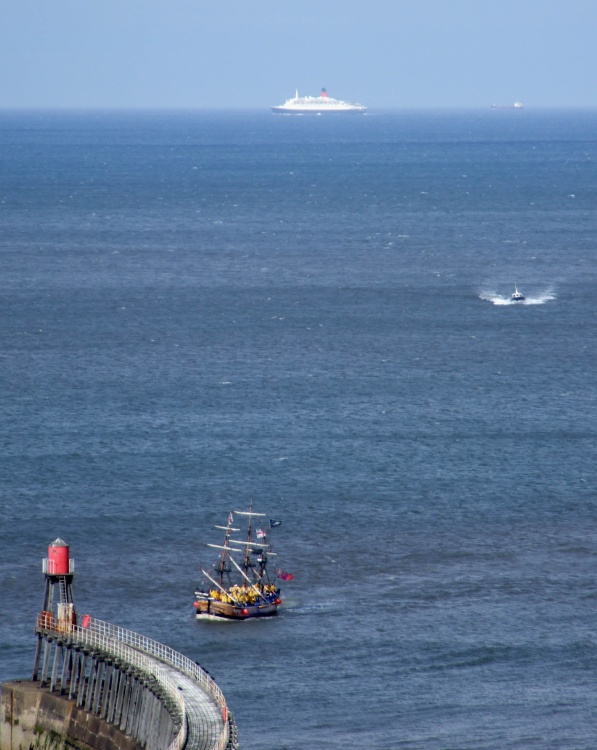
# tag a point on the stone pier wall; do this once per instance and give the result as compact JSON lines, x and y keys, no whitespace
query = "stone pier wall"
{"x":32,"y":718}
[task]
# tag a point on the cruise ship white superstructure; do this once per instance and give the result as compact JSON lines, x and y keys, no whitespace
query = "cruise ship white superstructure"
{"x":317,"y":105}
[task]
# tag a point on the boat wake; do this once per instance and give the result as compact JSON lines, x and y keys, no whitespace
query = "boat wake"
{"x":500,"y":299}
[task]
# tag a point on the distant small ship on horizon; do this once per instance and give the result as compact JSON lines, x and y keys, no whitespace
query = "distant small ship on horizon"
{"x":516,"y":105}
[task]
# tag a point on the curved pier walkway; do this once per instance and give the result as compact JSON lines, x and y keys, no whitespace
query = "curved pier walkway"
{"x":153,"y":693}
{"x":204,"y":718}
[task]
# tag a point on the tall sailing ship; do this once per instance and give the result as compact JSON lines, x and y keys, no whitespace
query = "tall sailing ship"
{"x":239,"y":586}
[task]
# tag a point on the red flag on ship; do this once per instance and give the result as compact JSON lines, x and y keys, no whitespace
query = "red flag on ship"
{"x":284,"y":576}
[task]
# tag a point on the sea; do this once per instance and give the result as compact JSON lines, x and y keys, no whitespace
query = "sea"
{"x":200,"y":310}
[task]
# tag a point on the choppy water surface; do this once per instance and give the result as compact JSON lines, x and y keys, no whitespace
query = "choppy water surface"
{"x":199,"y":309}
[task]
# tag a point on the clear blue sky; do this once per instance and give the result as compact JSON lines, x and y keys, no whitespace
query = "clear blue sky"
{"x":254,"y":53}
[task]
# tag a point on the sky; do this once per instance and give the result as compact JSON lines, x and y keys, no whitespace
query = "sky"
{"x":196,"y":54}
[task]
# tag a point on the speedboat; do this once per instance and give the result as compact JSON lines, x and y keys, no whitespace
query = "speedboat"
{"x":516,"y":295}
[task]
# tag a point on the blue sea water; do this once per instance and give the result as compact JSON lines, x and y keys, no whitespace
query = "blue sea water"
{"x":202,"y":308}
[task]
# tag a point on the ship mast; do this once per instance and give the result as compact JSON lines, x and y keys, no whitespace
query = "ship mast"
{"x":247,"y":564}
{"x":222,"y":566}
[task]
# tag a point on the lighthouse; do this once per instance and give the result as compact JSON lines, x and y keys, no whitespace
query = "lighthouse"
{"x":59,"y":571}
{"x":58,"y":610}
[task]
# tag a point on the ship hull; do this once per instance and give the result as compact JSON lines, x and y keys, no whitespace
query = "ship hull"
{"x":210,"y":609}
{"x":317,"y":111}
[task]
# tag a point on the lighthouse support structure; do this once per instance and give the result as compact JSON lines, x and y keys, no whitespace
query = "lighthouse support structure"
{"x":59,"y":571}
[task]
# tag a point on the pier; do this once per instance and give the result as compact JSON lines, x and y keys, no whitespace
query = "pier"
{"x":98,"y":685}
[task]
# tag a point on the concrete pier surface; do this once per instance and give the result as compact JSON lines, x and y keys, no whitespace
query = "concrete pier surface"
{"x":204,"y":719}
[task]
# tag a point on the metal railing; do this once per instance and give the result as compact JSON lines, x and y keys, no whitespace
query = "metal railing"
{"x":164,"y":653}
{"x":136,"y":650}
{"x":51,"y":567}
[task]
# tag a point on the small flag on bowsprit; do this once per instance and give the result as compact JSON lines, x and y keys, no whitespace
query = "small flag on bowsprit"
{"x":284,"y":576}
{"x":273,"y":524}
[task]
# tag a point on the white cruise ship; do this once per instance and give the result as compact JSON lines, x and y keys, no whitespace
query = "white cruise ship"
{"x":317,"y":105}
